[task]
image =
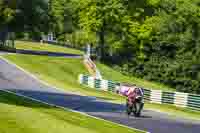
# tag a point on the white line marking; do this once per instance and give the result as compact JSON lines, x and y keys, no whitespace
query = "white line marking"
{"x":64,"y":108}
{"x":33,"y":76}
{"x":38,"y":79}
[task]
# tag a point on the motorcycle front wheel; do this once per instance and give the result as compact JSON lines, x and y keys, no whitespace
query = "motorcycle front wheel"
{"x":138,"y":109}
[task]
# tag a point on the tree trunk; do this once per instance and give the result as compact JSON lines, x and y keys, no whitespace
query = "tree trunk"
{"x":101,"y":44}
{"x":101,"y":54}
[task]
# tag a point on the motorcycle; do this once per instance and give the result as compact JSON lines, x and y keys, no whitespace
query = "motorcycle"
{"x":135,"y":105}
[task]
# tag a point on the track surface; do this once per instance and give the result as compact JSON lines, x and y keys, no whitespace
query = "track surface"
{"x":13,"y":79}
{"x":47,"y":53}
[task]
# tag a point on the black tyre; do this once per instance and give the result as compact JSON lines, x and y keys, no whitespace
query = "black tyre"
{"x":128,"y":109}
{"x":138,"y":109}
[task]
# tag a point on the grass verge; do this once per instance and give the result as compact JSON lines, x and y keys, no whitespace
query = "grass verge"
{"x":60,"y":72}
{"x":175,"y":111}
{"x":63,"y":73}
{"x":45,"y":47}
{"x":109,"y":73}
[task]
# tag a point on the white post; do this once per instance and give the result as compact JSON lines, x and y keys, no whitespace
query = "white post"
{"x":81,"y":78}
{"x":156,"y":96}
{"x":88,"y":50}
{"x":104,"y":85}
{"x":181,"y":99}
{"x":91,"y":81}
{"x":51,"y":36}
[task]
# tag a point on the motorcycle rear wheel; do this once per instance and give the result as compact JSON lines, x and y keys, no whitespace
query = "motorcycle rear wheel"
{"x":129,"y":109}
{"x":138,"y":109}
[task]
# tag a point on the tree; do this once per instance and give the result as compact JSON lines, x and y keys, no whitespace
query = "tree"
{"x":61,"y":14}
{"x":7,"y":14}
{"x":173,"y":45}
{"x":7,"y":11}
{"x":101,"y":17}
{"x":31,"y":17}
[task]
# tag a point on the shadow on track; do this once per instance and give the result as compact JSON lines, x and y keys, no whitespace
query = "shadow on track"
{"x":11,"y":99}
{"x":72,"y":101}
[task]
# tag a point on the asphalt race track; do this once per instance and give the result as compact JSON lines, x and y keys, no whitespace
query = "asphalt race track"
{"x":13,"y":79}
{"x":47,"y":53}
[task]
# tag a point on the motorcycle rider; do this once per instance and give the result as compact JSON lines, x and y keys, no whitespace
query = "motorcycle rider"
{"x":132,"y":95}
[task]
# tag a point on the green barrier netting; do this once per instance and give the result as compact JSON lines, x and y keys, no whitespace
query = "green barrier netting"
{"x":85,"y":80}
{"x":97,"y":83}
{"x":111,"y":86}
{"x":168,"y":97}
{"x":147,"y":94}
{"x":193,"y":101}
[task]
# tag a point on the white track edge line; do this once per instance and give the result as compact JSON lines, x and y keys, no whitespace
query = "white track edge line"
{"x":64,"y":108}
{"x":37,"y":78}
{"x":43,"y":82}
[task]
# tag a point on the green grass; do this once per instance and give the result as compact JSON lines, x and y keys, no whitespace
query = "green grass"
{"x":44,"y":47}
{"x":175,"y":111}
{"x":108,"y":73}
{"x":112,"y":74}
{"x":63,"y":73}
{"x":60,"y":72}
{"x":20,"y":115}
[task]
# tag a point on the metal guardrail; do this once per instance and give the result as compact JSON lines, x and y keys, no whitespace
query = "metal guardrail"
{"x":154,"y":96}
{"x":106,"y":85}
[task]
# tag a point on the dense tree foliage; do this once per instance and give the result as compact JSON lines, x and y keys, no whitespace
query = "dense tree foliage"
{"x":22,"y":16}
{"x":7,"y":11}
{"x":32,"y":18}
{"x":7,"y":14}
{"x":157,"y":40}
{"x":170,"y":45}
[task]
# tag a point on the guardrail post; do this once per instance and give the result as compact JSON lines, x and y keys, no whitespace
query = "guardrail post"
{"x":104,"y":85}
{"x":156,"y":96}
{"x":91,"y":82}
{"x":181,"y":99}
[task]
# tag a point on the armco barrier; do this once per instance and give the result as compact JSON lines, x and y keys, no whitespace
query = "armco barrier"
{"x":193,"y":101}
{"x":97,"y":83}
{"x":111,"y":86}
{"x":154,"y":96}
{"x":106,"y":85}
{"x":147,"y":94}
{"x":181,"y":99}
{"x":168,"y":97}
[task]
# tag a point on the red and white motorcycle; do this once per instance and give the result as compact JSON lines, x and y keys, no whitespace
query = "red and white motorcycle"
{"x":135,"y":102}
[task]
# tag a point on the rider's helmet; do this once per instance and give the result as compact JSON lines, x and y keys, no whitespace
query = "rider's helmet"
{"x":139,"y":91}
